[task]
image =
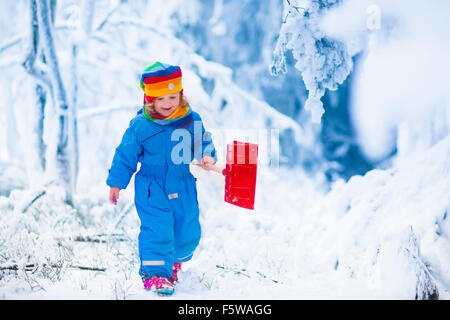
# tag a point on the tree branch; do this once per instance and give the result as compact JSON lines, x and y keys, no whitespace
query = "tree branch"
{"x":109,"y":15}
{"x":29,"y":62}
{"x":99,"y":238}
{"x":31,"y":267}
{"x":11,"y":42}
{"x":244,"y":272}
{"x":124,"y":213}
{"x":64,"y":150}
{"x":105,"y":110}
{"x":40,"y":194}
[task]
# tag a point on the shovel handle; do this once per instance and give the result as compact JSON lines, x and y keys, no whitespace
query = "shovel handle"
{"x":210,"y":167}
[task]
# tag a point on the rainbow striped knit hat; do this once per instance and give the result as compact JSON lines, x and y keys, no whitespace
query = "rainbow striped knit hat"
{"x":160,"y":79}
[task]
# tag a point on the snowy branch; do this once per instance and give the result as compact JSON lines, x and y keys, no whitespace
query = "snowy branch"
{"x":30,"y":62}
{"x":39,"y":195}
{"x":100,"y":238}
{"x":96,"y":238}
{"x":33,"y":267}
{"x":105,"y":110}
{"x":109,"y":15}
{"x":244,"y":272}
{"x":8,"y":61}
{"x":123,"y":214}
{"x":323,"y":62}
{"x":12,"y":42}
{"x":64,"y":153}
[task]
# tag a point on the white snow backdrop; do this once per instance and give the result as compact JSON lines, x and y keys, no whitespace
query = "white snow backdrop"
{"x":383,"y":235}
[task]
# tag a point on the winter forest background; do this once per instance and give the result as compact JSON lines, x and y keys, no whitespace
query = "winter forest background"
{"x":349,"y":101}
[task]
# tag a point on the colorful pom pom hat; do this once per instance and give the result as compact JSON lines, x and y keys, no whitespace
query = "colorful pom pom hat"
{"x":160,"y":79}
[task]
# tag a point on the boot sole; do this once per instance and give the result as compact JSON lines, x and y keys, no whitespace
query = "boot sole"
{"x":162,"y":292}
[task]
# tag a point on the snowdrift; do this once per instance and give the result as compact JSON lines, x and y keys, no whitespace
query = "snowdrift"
{"x":388,"y":228}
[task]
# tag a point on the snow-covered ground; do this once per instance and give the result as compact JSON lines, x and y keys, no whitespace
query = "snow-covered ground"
{"x":380,"y":236}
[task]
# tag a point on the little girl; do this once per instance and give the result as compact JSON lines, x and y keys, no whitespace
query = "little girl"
{"x":165,"y":190}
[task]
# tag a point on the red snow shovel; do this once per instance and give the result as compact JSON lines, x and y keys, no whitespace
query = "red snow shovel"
{"x":240,"y":174}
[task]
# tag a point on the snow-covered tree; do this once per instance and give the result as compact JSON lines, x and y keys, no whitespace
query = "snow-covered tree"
{"x":244,"y":42}
{"x":49,"y":75}
{"x":323,"y":61}
{"x":400,"y":112}
{"x":33,"y":64}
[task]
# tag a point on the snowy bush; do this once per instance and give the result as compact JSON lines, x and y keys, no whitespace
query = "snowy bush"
{"x":43,"y":238}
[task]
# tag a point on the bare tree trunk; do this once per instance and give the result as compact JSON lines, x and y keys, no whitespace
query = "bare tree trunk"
{"x":87,"y":15}
{"x":41,"y":100}
{"x":64,"y":154}
{"x":39,"y":96}
{"x":15,"y":153}
{"x":73,"y":129}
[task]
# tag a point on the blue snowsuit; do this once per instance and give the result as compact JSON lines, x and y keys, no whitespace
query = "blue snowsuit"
{"x":165,"y":190}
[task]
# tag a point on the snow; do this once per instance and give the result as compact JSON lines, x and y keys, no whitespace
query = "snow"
{"x":381,"y":235}
{"x":283,"y":249}
{"x":401,"y":92}
{"x":296,"y":242}
{"x":363,"y":223}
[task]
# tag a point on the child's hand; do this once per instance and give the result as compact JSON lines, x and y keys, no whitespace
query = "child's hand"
{"x":114,"y":195}
{"x":206,"y":161}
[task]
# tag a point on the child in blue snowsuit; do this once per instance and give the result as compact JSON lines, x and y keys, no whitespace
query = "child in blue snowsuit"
{"x":165,"y":136}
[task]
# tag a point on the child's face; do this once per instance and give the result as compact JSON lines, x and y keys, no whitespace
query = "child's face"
{"x":167,"y":104}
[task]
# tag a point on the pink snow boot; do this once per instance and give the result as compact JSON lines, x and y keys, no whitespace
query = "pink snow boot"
{"x":176,"y":268}
{"x":159,"y":285}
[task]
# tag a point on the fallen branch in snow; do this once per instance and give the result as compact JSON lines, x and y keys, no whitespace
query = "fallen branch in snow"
{"x":39,"y":195}
{"x":237,"y":271}
{"x":100,"y":238}
{"x":244,"y":272}
{"x":124,"y":213}
{"x":426,"y":288}
{"x":265,"y":277}
{"x":31,"y":267}
{"x":15,"y":267}
{"x":88,"y":268}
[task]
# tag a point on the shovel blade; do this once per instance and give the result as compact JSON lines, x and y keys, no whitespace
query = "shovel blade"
{"x":240,"y":174}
